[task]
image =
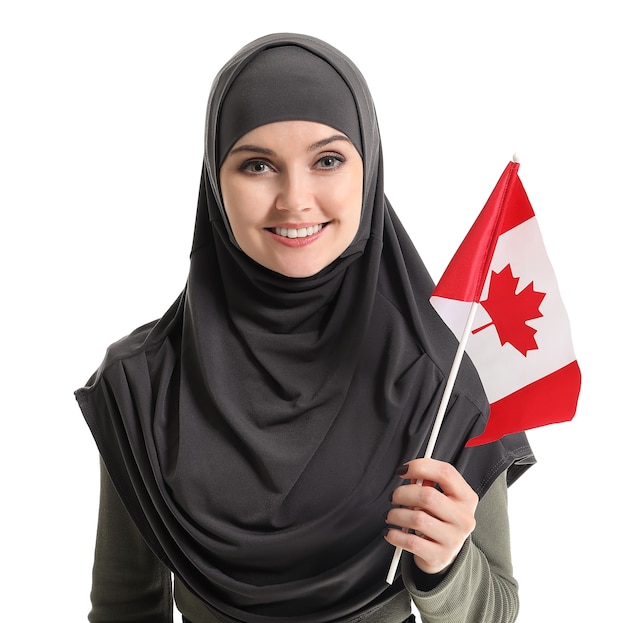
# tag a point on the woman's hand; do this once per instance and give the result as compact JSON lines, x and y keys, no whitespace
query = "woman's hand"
{"x":442,"y":520}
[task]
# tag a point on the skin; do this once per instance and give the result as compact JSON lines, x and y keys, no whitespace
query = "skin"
{"x":293,"y":175}
{"x":442,"y":520}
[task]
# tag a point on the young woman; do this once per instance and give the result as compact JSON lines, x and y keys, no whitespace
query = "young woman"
{"x":259,"y":441}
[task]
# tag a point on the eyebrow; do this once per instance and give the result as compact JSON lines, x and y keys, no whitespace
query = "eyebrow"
{"x":330,"y":139}
{"x":268,"y":152}
{"x":253,"y":148}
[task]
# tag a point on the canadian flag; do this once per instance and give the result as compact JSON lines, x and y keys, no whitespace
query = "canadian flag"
{"x":519,"y":338}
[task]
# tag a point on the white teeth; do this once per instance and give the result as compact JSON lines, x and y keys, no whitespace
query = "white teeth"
{"x":303,"y":232}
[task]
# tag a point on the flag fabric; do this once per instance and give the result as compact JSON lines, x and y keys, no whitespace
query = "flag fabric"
{"x":520,"y":338}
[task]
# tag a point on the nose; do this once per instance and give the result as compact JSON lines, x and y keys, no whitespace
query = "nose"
{"x":295,"y":193}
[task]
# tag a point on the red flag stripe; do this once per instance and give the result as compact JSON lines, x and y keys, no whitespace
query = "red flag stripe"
{"x":549,"y":400}
{"x":507,"y":207}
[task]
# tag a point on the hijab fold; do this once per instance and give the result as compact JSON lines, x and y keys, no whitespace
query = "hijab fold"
{"x":253,"y":432}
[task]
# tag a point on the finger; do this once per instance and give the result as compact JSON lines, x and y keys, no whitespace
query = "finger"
{"x":426,"y":498}
{"x":428,"y":551}
{"x":444,"y":474}
{"x":422,"y":523}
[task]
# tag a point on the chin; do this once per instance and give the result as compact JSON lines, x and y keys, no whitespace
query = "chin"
{"x":300,"y":273}
{"x":297,"y":267}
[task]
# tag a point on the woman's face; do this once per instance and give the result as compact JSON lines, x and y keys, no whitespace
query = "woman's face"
{"x":292,"y":192}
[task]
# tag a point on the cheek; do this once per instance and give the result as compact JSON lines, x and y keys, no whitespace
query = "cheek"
{"x":232,"y":205}
{"x":353,"y":198}
{"x":242,"y":203}
{"x":350,"y":203}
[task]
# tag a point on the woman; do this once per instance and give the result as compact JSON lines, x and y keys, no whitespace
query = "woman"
{"x":251,"y":437}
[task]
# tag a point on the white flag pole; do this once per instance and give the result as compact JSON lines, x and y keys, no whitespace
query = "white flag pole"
{"x":432,"y":440}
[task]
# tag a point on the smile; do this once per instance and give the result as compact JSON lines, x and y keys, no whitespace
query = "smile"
{"x":302,"y":232}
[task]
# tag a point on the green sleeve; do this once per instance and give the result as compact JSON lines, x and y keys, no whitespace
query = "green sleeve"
{"x":479,"y":587}
{"x":129,"y":582}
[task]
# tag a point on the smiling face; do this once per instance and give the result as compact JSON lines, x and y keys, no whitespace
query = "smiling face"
{"x":292,"y":192}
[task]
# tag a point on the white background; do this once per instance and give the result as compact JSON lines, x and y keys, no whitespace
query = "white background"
{"x":101,"y":137}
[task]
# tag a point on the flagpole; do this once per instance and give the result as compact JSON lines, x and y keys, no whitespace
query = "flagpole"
{"x":443,"y":405}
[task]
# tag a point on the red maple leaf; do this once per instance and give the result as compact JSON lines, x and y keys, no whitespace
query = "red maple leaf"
{"x":509,"y":311}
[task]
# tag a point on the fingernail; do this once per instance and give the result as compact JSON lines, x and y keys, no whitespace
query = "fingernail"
{"x":403,"y":469}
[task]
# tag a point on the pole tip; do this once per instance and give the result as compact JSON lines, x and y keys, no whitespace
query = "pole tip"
{"x":515,"y":158}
